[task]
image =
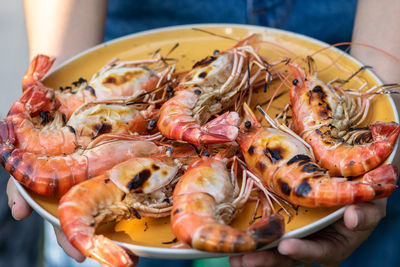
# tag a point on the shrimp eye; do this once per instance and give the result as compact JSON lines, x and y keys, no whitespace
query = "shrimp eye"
{"x":295,"y":82}
{"x":169,"y":149}
{"x":206,"y":154}
{"x":247,"y":124}
{"x":151,"y":124}
{"x":169,"y":89}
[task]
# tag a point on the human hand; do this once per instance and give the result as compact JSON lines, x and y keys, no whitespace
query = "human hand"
{"x":328,"y":247}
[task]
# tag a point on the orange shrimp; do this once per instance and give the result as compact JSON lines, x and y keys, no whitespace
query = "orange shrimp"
{"x":206,"y":199}
{"x":209,"y":88}
{"x":38,"y":68}
{"x":284,"y":164}
{"x":125,"y":79}
{"x":137,"y":187}
{"x":329,"y":119}
{"x":55,"y":175}
{"x":57,"y":137}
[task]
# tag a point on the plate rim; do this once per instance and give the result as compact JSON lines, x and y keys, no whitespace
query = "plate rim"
{"x":175,"y":253}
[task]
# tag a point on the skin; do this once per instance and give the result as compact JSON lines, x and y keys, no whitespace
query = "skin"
{"x":328,"y":247}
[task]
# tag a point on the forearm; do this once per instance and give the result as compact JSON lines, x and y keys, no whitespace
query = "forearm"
{"x":63,"y":28}
{"x":377,"y":23}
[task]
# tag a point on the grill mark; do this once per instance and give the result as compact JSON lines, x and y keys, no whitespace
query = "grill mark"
{"x":298,"y":157}
{"x":303,"y":189}
{"x":155,"y":167}
{"x":139,"y":179}
{"x":310,"y":167}
{"x":285,"y":187}
{"x":91,"y":90}
{"x":251,"y":150}
{"x":204,"y":61}
{"x":274,"y":154}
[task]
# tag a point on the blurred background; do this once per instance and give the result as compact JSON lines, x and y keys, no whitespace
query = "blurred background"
{"x":14,"y":52}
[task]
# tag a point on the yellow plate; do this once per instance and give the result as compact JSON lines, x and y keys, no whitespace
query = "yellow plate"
{"x":148,"y":237}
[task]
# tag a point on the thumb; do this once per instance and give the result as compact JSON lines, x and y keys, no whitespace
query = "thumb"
{"x":364,"y":216}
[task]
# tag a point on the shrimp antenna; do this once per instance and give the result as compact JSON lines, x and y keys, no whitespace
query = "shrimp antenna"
{"x":212,"y":33}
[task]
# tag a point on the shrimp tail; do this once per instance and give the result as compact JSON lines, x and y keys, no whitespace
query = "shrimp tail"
{"x":38,"y":67}
{"x":385,"y":174}
{"x":267,"y":230}
{"x":222,"y":129}
{"x":105,"y":251}
{"x":388,"y":131}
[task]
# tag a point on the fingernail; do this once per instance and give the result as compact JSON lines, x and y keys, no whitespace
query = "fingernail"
{"x":358,"y":218}
{"x":282,"y":248}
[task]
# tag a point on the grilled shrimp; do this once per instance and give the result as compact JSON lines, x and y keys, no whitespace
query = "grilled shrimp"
{"x":285,"y":165}
{"x":58,"y":137}
{"x":137,"y":187}
{"x":209,"y":88}
{"x":55,"y":175}
{"x":206,"y":199}
{"x":329,"y":119}
{"x":124,"y":79}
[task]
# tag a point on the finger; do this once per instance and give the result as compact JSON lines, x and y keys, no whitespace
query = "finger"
{"x":68,"y":248}
{"x":20,"y":209}
{"x":309,"y":251}
{"x":266,"y":258}
{"x":364,"y":216}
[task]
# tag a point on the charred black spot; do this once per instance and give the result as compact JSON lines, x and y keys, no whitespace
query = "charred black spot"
{"x":75,"y":83}
{"x":204,"y":61}
{"x":91,"y":90}
{"x":45,"y":116}
{"x":203,"y":74}
{"x":274,"y":154}
{"x":61,"y":88}
{"x":64,"y":118}
{"x":261,"y":166}
{"x":351,"y":163}
{"x":297,"y":158}
{"x":285,"y":187}
{"x":177,"y":211}
{"x":71,"y":129}
{"x":295,"y":82}
{"x":197,"y":92}
{"x":310,"y":167}
{"x":123,"y":197}
{"x":107,"y":180}
{"x":68,"y":88}
{"x":102,"y":128}
{"x":155,"y":167}
{"x":110,"y":80}
{"x":251,"y":150}
{"x":303,"y":189}
{"x":139,"y":179}
{"x":82,"y":80}
{"x":350,"y":178}
{"x":318,"y":89}
{"x":166,"y":200}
